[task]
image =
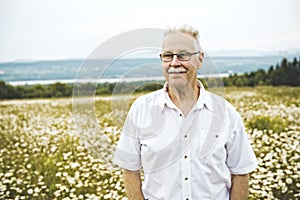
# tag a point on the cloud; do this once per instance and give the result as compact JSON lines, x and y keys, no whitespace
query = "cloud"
{"x":55,"y":28}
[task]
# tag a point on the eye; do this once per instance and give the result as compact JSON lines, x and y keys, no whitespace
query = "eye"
{"x":167,"y":55}
{"x":184,"y":55}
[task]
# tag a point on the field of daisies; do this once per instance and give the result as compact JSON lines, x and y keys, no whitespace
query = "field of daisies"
{"x":62,"y":149}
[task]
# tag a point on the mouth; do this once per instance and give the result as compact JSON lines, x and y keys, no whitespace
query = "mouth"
{"x":177,"y":70}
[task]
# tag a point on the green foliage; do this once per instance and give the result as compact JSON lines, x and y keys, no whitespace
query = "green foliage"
{"x":288,"y":73}
{"x":276,"y":124}
{"x":66,"y":90}
{"x":35,"y":91}
{"x":149,"y":87}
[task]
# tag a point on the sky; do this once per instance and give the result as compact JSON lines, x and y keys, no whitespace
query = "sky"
{"x":62,"y":29}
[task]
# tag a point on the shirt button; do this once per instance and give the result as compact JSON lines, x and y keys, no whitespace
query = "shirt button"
{"x":180,"y":115}
{"x":186,"y":178}
{"x":185,"y":157}
{"x":185,"y":136}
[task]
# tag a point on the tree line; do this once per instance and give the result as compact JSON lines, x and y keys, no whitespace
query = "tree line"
{"x":285,"y":73}
{"x":58,"y":89}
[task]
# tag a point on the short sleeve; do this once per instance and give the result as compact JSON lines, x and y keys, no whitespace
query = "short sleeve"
{"x":127,"y":154}
{"x":240,"y":156}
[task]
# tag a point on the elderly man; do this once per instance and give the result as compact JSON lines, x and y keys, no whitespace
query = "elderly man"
{"x":189,"y":143}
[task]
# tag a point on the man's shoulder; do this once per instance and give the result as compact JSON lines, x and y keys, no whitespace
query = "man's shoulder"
{"x":217,"y":101}
{"x":152,"y":96}
{"x":149,"y":99}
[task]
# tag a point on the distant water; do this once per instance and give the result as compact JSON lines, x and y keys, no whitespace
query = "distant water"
{"x":68,"y":71}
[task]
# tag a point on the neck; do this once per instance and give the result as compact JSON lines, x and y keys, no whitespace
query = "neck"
{"x":185,"y":97}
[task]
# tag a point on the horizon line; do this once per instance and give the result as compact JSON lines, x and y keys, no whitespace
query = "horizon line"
{"x":212,"y":53}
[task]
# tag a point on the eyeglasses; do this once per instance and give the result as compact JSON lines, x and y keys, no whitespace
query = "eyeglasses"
{"x":182,"y":56}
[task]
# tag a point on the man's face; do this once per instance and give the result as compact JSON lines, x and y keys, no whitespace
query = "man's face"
{"x":176,"y":72}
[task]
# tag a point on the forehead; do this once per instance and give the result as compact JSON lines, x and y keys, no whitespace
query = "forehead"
{"x":178,"y":41}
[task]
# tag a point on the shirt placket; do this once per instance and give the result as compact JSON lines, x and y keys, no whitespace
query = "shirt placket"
{"x":185,"y":161}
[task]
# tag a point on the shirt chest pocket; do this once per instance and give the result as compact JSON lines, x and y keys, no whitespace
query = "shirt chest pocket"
{"x":159,"y":153}
{"x":212,"y":147}
{"x":154,"y":159}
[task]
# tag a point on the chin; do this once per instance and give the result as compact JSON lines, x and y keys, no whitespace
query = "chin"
{"x":178,"y":82}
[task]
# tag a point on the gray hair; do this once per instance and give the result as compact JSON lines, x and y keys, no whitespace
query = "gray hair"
{"x":185,"y":29}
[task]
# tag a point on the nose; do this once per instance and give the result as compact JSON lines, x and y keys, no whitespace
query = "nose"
{"x":175,"y":61}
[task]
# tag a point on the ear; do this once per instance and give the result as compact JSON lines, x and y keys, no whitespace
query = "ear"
{"x":201,"y":57}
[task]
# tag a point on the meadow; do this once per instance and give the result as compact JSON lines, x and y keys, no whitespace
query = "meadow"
{"x":46,"y":153}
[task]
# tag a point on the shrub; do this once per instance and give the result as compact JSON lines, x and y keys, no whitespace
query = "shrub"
{"x":276,"y":124}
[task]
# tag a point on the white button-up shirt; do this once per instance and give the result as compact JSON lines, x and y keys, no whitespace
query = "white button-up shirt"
{"x":185,"y":157}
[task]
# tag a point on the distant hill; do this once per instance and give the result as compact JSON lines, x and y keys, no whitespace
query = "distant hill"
{"x":229,"y":53}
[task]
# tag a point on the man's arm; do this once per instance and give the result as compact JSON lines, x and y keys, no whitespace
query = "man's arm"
{"x":133,"y":184}
{"x":239,"y":187}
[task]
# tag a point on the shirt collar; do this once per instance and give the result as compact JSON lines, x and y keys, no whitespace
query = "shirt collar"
{"x":204,"y":99}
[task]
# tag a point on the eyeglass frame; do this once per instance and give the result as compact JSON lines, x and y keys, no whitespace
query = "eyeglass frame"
{"x":172,"y":54}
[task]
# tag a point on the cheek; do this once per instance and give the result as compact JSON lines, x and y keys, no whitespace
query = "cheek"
{"x":164,"y":67}
{"x":192,"y":66}
{"x":195,"y":63}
